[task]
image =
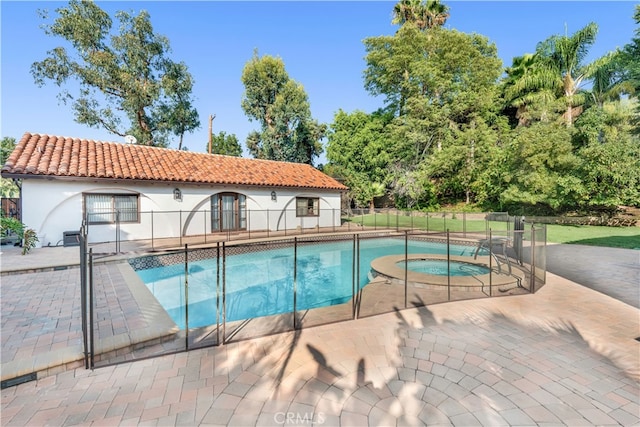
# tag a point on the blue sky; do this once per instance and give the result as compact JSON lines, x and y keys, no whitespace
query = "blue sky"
{"x":319,"y":42}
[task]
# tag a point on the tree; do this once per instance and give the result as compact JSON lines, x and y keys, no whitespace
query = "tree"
{"x":610,"y":157}
{"x":280,"y":105}
{"x":8,"y":144}
{"x":557,"y":68}
{"x":443,"y":86}
{"x":609,"y":80}
{"x":531,"y":90}
{"x":630,"y":59}
{"x":423,"y":15}
{"x":357,"y":150}
{"x":7,"y":186}
{"x":177,"y":113}
{"x":540,"y":170}
{"x":447,"y":68}
{"x":122,"y":78}
{"x":227,"y":145}
{"x":390,"y":62}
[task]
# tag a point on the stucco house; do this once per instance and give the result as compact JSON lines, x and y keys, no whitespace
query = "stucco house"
{"x":140,"y":190}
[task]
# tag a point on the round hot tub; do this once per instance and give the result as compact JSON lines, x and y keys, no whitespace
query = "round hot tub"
{"x":440,"y":267}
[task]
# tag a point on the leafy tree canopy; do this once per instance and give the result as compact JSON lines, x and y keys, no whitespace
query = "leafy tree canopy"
{"x":227,"y":145}
{"x":8,"y":187}
{"x":127,"y":84}
{"x":7,"y":146}
{"x":281,"y":106}
{"x":358,"y":149}
{"x":423,"y":14}
{"x":446,"y":68}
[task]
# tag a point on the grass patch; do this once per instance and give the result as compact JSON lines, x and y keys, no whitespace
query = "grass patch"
{"x":614,"y":237}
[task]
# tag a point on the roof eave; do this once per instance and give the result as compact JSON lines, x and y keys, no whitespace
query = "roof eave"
{"x":155,"y":181}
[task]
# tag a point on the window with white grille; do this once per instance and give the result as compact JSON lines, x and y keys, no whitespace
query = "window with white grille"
{"x":111,"y":208}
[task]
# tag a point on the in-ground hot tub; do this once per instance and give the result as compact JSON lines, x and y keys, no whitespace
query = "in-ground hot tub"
{"x":440,"y":267}
{"x":428,"y":270}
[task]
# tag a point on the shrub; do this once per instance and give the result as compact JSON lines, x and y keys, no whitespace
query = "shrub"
{"x":28,"y":236}
{"x":29,"y":240}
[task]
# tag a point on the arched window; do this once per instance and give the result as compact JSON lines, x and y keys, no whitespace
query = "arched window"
{"x":228,"y":212}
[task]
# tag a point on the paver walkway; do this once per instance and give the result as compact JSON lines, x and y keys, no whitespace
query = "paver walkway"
{"x":612,"y":271}
{"x":564,"y":356}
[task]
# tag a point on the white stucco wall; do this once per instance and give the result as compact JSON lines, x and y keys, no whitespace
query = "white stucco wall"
{"x":52,"y":207}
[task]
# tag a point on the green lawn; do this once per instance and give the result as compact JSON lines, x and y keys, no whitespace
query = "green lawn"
{"x":615,"y":237}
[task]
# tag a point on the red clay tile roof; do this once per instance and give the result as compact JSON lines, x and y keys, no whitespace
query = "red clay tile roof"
{"x":53,"y":156}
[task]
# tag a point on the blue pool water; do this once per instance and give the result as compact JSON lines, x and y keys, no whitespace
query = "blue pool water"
{"x":261,"y":283}
{"x":439,"y":267}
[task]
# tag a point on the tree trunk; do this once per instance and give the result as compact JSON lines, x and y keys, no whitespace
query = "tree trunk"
{"x":569,"y":90}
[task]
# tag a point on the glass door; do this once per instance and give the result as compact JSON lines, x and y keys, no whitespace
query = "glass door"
{"x":228,"y":212}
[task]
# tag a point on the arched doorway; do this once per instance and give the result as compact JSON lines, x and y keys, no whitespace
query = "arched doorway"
{"x":228,"y":212}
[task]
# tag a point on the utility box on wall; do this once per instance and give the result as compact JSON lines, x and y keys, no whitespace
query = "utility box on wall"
{"x":71,"y":238}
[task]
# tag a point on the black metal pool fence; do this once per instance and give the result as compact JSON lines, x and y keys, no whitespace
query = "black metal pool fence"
{"x":122,"y":320}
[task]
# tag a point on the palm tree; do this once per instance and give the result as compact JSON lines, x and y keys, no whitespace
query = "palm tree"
{"x":528,"y":87}
{"x":557,"y":67}
{"x":423,"y":15}
{"x":610,"y":80}
{"x":564,"y":55}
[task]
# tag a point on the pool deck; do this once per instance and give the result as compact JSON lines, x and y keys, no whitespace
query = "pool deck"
{"x":567,"y":355}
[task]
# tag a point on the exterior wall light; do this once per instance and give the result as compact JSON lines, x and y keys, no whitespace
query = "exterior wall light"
{"x":177,"y":194}
{"x":273,"y":196}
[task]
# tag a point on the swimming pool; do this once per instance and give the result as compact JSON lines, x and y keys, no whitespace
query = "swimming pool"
{"x":261,"y":283}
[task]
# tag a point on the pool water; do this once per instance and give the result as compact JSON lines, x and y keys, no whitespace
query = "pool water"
{"x":261,"y":283}
{"x":439,"y":267}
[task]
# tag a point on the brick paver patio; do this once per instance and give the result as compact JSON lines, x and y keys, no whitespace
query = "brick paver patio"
{"x":566,"y":355}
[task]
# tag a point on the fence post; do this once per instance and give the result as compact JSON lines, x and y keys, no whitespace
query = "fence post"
{"x":224,"y":293}
{"x":217,"y":293}
{"x":295,"y":281}
{"x":359,"y":293}
{"x":186,"y":297}
{"x":83,"y":294}
{"x":464,"y":224}
{"x":448,"y":268}
{"x":353,"y":279}
{"x":117,"y":231}
{"x":91,"y":302}
{"x":152,"y":241}
{"x":490,"y":262}
{"x":406,"y":267}
{"x":180,"y":226}
{"x":333,"y":219}
{"x":533,"y":260}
